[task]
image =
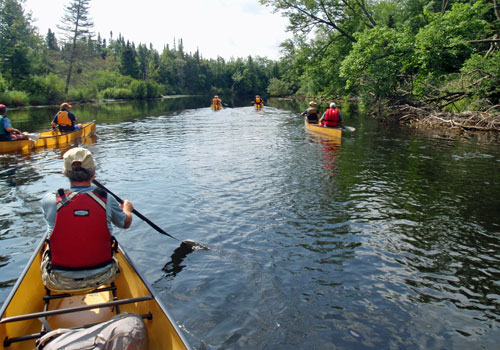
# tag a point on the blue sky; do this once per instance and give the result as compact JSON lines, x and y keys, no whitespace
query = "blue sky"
{"x":226,"y":28}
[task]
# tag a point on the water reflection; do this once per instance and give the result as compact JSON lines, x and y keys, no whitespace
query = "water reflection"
{"x":330,"y":149}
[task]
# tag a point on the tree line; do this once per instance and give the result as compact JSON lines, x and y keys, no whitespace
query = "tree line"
{"x":82,"y":66}
{"x":439,"y":53}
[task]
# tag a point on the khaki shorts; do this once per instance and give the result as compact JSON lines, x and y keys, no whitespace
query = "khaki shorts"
{"x":60,"y":281}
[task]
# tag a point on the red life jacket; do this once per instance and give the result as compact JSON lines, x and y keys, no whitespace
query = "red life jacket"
{"x":331,"y":118}
{"x":80,"y":239}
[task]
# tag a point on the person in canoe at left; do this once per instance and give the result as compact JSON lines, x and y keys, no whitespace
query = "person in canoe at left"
{"x":332,"y":118}
{"x":311,"y":113}
{"x":64,"y":120}
{"x":7,"y":132}
{"x":80,"y":221}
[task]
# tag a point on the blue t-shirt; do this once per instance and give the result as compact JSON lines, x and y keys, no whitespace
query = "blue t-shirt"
{"x":4,"y":134}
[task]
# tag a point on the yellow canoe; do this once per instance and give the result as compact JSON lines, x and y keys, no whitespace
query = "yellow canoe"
{"x":216,"y":107}
{"x":258,"y":105}
{"x":51,"y":138}
{"x":25,"y":308}
{"x":54,"y":138}
{"x":16,"y":145}
{"x":318,"y":129}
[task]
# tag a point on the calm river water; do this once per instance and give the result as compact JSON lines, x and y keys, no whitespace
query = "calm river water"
{"x":390,"y":240}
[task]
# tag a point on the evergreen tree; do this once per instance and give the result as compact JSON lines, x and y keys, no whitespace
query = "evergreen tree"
{"x":128,"y":61}
{"x":76,"y":25}
{"x":51,"y":41}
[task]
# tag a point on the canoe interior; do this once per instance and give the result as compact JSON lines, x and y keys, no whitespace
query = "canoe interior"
{"x":27,"y":297}
{"x":333,"y":133}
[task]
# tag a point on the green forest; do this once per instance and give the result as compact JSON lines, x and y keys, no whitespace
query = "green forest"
{"x":381,"y":53}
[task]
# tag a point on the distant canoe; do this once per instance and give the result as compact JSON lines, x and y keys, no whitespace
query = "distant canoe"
{"x":318,"y":129}
{"x":28,"y":307}
{"x":258,"y":105}
{"x":51,"y":138}
{"x":216,"y":107}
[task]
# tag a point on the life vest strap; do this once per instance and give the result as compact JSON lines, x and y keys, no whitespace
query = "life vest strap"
{"x":84,"y":268}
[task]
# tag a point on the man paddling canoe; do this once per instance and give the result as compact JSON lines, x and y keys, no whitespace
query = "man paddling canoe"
{"x":79,"y":225}
{"x":332,"y":118}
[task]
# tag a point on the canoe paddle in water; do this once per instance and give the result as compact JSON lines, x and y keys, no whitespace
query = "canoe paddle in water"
{"x":348,"y":128}
{"x":188,"y":244}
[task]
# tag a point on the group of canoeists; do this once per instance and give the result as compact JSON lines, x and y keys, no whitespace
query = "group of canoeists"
{"x":64,"y":120}
{"x":217,"y":104}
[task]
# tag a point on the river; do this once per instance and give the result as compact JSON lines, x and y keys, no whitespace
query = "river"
{"x":390,"y":240}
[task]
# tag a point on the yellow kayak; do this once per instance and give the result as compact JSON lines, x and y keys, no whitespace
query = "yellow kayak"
{"x":51,"y":138}
{"x":318,"y":129}
{"x":26,"y":307}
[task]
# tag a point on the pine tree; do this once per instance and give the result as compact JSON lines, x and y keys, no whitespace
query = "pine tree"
{"x":76,"y":25}
{"x":51,"y":41}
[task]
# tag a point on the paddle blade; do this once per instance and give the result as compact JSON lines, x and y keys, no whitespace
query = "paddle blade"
{"x":194,"y":245}
{"x":348,"y":128}
{"x":32,"y":136}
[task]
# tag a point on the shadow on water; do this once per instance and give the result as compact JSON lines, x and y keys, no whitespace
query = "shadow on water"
{"x":174,"y":266}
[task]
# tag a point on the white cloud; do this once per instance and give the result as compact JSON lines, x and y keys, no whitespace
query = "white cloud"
{"x":226,"y":28}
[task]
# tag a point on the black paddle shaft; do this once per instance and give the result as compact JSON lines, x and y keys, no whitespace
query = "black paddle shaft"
{"x":152,"y":224}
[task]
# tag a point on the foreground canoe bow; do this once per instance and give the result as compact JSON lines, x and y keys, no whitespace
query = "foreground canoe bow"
{"x":50,"y":138}
{"x":23,"y":314}
{"x":318,"y":129}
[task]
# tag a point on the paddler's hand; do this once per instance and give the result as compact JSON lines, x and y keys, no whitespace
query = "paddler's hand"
{"x":127,"y":206}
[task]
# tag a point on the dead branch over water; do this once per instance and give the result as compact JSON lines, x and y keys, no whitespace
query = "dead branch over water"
{"x":423,"y":116}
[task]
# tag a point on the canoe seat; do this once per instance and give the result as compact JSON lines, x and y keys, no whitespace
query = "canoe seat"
{"x":74,"y":310}
{"x":69,"y":299}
